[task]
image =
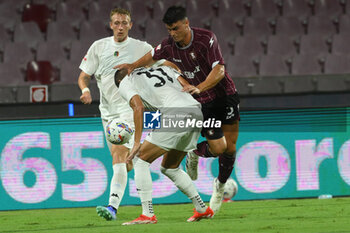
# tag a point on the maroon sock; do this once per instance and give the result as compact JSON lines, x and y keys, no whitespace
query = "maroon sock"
{"x":203,"y":150}
{"x":226,"y":163}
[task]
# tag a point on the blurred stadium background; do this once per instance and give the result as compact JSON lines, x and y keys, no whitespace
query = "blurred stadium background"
{"x":289,"y":59}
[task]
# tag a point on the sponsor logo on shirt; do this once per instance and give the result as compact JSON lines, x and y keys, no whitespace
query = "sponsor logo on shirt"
{"x":211,"y":42}
{"x":177,"y":60}
{"x":193,"y":55}
{"x":190,"y":75}
{"x":116,"y":53}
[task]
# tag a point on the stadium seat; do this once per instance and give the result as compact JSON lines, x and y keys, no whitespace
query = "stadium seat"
{"x":296,"y":8}
{"x":226,"y":31}
{"x":224,"y":26}
{"x":282,"y":45}
{"x":340,"y":45}
{"x":201,"y":8}
{"x":328,"y":8}
{"x":41,"y":71}
{"x":249,"y":45}
{"x":66,"y":12}
{"x":155,"y":33}
{"x":231,"y":8}
{"x":138,"y":29}
{"x":69,"y":72}
{"x":241,"y":66}
{"x":38,"y":13}
{"x":138,"y":9}
{"x":52,"y":4}
{"x":94,"y":30}
{"x":273,"y":65}
{"x":321,"y":25}
{"x":337,"y":64}
{"x":51,"y":51}
{"x":61,"y":32}
{"x":290,"y":26}
{"x":29,"y":33}
{"x":4,"y":36}
{"x":78,"y":50}
{"x":100,"y":10}
{"x":344,"y":24}
{"x":10,"y":74}
{"x":306,"y":64}
{"x":315,"y":44}
{"x":18,"y":53}
{"x":264,"y":9}
{"x":258,"y":26}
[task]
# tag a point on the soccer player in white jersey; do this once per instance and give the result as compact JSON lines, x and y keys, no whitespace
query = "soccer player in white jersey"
{"x":99,"y":61}
{"x":159,"y":88}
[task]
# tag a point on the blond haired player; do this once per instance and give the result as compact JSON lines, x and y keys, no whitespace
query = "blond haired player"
{"x":99,"y":61}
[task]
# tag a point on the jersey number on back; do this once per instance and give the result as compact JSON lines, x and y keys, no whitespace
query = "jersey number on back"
{"x":152,"y":75}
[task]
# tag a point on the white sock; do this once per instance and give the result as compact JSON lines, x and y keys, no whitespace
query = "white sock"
{"x":143,"y":182}
{"x":118,"y":184}
{"x":184,"y":183}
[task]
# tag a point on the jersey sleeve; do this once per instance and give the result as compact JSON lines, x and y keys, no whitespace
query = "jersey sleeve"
{"x":159,"y":52}
{"x":126,"y":89}
{"x":214,"y":55}
{"x":90,"y":62}
{"x":147,"y":47}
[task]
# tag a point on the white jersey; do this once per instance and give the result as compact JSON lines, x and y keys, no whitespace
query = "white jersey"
{"x":158,"y":87}
{"x":100,"y":59}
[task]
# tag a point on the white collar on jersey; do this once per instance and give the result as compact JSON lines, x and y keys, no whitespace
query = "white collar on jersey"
{"x":121,"y":43}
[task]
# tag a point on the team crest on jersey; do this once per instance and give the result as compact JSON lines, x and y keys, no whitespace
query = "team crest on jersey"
{"x":159,"y":47}
{"x":193,"y":55}
{"x":116,"y":53}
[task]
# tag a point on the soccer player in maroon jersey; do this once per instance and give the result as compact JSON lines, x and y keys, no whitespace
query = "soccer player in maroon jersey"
{"x":197,"y":53}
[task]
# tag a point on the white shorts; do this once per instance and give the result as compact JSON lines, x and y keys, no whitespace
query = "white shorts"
{"x":184,"y":139}
{"x":129,"y":120}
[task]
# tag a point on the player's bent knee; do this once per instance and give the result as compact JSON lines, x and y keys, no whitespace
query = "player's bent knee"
{"x":231,"y":149}
{"x":169,"y":172}
{"x":218,"y":150}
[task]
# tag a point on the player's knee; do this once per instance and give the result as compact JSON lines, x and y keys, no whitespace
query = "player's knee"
{"x":168,"y":171}
{"x":218,"y":150}
{"x":230,"y":149}
{"x":118,"y":158}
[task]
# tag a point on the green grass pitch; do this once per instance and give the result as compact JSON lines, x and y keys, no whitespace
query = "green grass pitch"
{"x":295,"y":215}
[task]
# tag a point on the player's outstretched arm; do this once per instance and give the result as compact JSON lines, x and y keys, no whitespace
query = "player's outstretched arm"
{"x":138,"y":108}
{"x":186,"y":87}
{"x":214,"y":77}
{"x":172,"y":65}
{"x":146,"y":60}
{"x":84,"y":82}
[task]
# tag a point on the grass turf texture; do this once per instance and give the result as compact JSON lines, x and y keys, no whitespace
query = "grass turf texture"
{"x":297,"y":215}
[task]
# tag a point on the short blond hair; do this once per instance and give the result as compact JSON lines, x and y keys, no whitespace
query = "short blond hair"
{"x":120,"y":11}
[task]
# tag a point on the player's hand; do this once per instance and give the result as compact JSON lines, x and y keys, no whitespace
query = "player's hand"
{"x":129,"y":67}
{"x":85,"y":98}
{"x":191,"y":89}
{"x":134,"y":151}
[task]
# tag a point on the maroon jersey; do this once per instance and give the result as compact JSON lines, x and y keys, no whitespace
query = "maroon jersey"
{"x":196,"y":60}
